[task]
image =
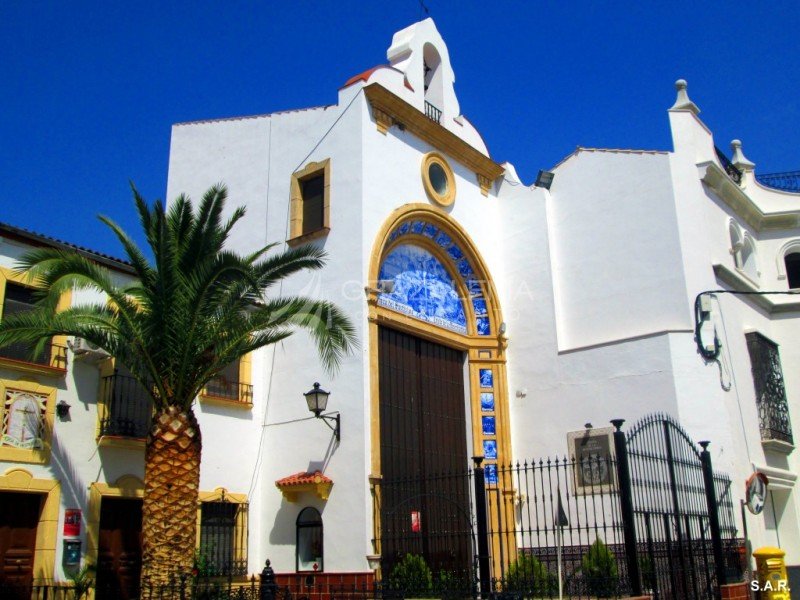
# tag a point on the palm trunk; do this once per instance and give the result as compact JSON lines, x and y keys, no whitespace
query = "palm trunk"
{"x":171,"y":485}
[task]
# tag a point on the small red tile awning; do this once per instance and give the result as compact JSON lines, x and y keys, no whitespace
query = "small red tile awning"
{"x":313,"y":482}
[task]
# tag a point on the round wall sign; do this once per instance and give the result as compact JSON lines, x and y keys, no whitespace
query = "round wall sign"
{"x":756,"y":492}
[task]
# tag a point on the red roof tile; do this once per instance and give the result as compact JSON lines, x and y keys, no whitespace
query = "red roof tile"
{"x":302,"y":478}
{"x":362,"y":76}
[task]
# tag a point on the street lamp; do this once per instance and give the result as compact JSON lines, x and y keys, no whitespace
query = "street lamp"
{"x":317,"y":400}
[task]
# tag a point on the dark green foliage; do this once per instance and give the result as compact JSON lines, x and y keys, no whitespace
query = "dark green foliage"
{"x":412,"y":577}
{"x":599,"y":568}
{"x":192,"y":310}
{"x":648,"y":573}
{"x":528,"y":576}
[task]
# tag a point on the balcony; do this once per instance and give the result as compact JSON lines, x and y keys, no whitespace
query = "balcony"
{"x":225,"y":391}
{"x":773,"y":408}
{"x":51,"y":361}
{"x":127,"y":409}
{"x":433,"y":113}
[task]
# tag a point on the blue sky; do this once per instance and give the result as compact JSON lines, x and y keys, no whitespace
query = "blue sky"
{"x":90,"y":90}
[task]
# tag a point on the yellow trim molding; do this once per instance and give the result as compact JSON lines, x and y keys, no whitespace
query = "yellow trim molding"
{"x":389,"y":109}
{"x":483,"y":352}
{"x":34,"y":455}
{"x":442,"y":199}
{"x":126,"y":486}
{"x":296,"y":235}
{"x":44,"y":556}
{"x":57,"y":365}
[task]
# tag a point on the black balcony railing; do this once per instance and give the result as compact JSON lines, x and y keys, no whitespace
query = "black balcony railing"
{"x":788,"y":182}
{"x":773,"y":409}
{"x":433,"y":113}
{"x":229,"y":390}
{"x":729,"y":167}
{"x":128,"y":407}
{"x":52,"y":355}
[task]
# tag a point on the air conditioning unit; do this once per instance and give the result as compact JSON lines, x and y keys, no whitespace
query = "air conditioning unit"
{"x":85,"y":350}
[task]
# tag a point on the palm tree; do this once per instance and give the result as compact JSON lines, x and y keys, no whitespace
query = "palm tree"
{"x":192,"y":311}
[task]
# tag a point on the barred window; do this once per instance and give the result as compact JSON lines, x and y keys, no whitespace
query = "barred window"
{"x":309,"y":540}
{"x":223,"y":538}
{"x":773,"y":409}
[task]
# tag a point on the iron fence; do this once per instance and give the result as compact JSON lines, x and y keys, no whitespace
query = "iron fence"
{"x":229,"y":390}
{"x":788,"y":181}
{"x":433,"y":113}
{"x":647,"y":515}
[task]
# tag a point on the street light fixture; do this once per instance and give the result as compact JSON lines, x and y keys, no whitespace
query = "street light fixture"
{"x":317,"y":400}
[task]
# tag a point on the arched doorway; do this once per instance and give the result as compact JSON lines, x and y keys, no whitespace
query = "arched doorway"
{"x":438,"y":386}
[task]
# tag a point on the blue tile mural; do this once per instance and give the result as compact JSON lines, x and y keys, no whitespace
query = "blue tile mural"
{"x":488,"y":425}
{"x":490,"y":449}
{"x":422,"y":288}
{"x":455,"y":252}
{"x":487,"y":401}
{"x":490,"y":472}
{"x":435,"y":305}
{"x":429,"y":230}
{"x":486,"y":378}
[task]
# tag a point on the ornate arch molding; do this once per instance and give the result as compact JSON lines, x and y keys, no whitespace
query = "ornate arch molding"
{"x":790,"y":247}
{"x":439,"y":234}
{"x":484,"y":345}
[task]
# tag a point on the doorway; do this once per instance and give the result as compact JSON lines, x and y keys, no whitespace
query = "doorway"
{"x":119,"y":557}
{"x":19,"y":520}
{"x":425,"y":500}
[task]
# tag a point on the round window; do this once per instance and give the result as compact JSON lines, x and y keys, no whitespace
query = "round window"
{"x":437,"y":177}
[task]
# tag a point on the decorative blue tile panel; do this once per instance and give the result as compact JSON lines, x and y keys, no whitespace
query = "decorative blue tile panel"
{"x":393,"y":235}
{"x":479,"y":304}
{"x":422,"y":288}
{"x":490,"y":472}
{"x":486,"y":377}
{"x":429,"y":230}
{"x":464,"y":268}
{"x":490,"y":449}
{"x":455,"y":252}
{"x":488,"y":425}
{"x":443,"y":239}
{"x":404,"y":228}
{"x":416,"y":227}
{"x":487,"y":401}
{"x":482,"y":325}
{"x":474,"y":287}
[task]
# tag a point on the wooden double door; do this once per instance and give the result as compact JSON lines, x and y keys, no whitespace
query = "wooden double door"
{"x":19,"y":521}
{"x":119,"y":556}
{"x":425,"y":499}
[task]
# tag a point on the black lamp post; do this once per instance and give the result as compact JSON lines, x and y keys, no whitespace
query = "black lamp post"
{"x":317,"y":400}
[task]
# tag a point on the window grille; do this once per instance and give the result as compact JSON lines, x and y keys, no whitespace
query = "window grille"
{"x":773,"y":409}
{"x":223,"y":538}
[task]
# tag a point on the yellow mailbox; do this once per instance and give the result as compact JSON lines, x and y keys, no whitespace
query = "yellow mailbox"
{"x":773,"y":582}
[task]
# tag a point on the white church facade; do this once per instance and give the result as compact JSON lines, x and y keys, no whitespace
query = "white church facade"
{"x":494,"y":317}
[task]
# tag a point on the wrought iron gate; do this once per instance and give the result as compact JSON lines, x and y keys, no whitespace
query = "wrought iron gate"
{"x":648,"y":518}
{"x":678,"y":515}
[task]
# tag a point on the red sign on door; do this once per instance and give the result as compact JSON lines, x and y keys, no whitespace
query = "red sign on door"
{"x":416,"y":521}
{"x":72,"y":522}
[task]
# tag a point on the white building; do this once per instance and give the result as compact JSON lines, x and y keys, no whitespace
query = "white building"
{"x":493,"y":318}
